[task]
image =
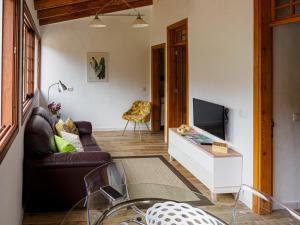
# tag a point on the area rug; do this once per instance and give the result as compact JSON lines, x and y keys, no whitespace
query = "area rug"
{"x":157,"y":170}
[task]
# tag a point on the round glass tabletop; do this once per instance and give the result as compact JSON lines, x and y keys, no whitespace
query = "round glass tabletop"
{"x":131,"y":203}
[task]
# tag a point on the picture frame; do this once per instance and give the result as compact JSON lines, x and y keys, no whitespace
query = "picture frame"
{"x":97,"y":67}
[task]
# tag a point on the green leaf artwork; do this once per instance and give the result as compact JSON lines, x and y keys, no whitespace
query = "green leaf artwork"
{"x":98,"y":67}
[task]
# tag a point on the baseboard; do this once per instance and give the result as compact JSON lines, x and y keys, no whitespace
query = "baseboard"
{"x":292,"y":204}
{"x":118,"y":129}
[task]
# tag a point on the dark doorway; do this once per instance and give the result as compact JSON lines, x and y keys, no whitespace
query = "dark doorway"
{"x":178,"y":74}
{"x":158,"y":88}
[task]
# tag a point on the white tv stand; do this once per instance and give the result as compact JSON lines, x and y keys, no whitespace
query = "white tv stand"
{"x":220,"y":173}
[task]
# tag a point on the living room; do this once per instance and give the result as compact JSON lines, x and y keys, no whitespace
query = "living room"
{"x":225,"y":66}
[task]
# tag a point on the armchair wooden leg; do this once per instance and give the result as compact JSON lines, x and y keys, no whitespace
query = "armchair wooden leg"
{"x":134,"y":127}
{"x":125,"y":127}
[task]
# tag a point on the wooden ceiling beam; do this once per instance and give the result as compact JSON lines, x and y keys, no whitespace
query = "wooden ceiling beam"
{"x":86,"y":6}
{"x":49,"y":4}
{"x":69,"y":9}
{"x":71,"y":15}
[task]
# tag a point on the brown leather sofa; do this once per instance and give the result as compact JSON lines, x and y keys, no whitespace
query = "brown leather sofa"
{"x":54,"y":181}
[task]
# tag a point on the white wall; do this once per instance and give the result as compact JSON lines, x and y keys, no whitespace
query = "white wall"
{"x":287,"y":102}
{"x":64,"y":51}
{"x":11,"y":174}
{"x":220,"y":60}
{"x":11,"y":180}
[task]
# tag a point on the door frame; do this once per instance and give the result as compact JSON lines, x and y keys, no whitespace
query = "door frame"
{"x":171,"y":28}
{"x":154,"y":84}
{"x":263,"y":99}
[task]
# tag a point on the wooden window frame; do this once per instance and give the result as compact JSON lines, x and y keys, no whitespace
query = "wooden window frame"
{"x":293,"y":17}
{"x":28,"y":65}
{"x":10,"y":75}
{"x":29,"y":22}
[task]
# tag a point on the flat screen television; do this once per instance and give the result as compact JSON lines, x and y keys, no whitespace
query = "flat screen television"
{"x":210,"y":117}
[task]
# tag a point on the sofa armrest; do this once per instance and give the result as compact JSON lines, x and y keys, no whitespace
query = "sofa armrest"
{"x":84,"y":127}
{"x":72,"y":160}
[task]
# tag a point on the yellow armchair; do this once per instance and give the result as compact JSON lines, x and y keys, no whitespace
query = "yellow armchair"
{"x":139,"y":112}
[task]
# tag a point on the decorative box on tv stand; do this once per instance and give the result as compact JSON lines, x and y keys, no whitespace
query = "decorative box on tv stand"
{"x":218,"y":147}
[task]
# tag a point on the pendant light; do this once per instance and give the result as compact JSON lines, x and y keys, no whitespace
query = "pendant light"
{"x":97,"y":22}
{"x":139,"y":22}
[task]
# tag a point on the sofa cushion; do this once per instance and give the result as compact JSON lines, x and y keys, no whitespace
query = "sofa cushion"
{"x":40,"y":111}
{"x":60,"y":126}
{"x":39,"y":137}
{"x":73,"y":139}
{"x":63,"y":146}
{"x":71,"y":125}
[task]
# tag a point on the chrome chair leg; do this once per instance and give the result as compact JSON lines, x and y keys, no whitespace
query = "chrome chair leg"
{"x":136,"y":221}
{"x":125,"y":127}
{"x":138,"y":211}
{"x":148,"y":128}
{"x":85,"y":202}
{"x":140,"y":133}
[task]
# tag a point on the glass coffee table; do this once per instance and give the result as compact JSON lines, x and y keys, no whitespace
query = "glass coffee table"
{"x":143,"y":204}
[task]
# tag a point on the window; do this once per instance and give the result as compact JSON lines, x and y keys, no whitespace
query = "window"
{"x":285,"y":11}
{"x":9,"y":15}
{"x":180,"y":35}
{"x":31,"y":61}
{"x":28,"y":63}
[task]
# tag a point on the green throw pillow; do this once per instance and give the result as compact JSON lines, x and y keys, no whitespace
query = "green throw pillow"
{"x":63,"y":146}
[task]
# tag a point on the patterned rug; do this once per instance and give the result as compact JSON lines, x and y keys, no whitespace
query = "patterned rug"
{"x":157,"y":170}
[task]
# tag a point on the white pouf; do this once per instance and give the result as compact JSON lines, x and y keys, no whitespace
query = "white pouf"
{"x":172,"y":213}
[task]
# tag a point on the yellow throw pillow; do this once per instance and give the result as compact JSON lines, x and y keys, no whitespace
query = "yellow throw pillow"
{"x":61,"y":126}
{"x":72,"y":127}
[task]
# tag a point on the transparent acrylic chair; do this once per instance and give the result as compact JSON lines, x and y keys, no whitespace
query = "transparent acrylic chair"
{"x":254,"y":207}
{"x":112,"y":174}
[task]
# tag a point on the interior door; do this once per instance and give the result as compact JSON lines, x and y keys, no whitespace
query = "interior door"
{"x":157,"y":86}
{"x":177,"y":78}
{"x":155,"y":116}
{"x":180,"y":85}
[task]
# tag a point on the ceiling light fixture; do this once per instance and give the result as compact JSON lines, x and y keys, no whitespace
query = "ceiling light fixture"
{"x":97,"y":22}
{"x":139,"y":22}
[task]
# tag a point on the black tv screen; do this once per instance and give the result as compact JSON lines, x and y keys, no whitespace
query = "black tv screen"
{"x":209,"y":117}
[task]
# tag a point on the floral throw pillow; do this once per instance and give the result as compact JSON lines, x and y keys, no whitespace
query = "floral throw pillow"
{"x":60,"y":126}
{"x":73,"y":139}
{"x":71,"y":125}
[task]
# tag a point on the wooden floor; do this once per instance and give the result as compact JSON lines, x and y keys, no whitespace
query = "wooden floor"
{"x":130,"y":145}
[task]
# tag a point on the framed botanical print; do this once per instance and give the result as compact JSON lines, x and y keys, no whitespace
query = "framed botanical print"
{"x":97,"y":67}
